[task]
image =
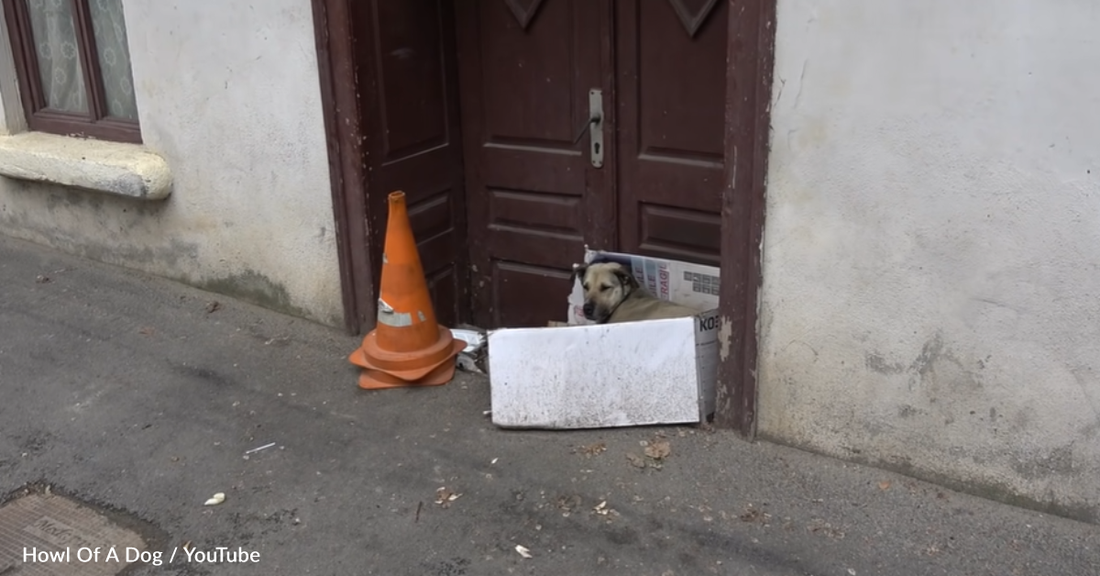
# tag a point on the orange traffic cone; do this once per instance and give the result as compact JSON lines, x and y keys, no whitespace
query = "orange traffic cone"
{"x":407,"y":346}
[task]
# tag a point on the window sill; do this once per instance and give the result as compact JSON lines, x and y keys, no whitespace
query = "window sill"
{"x":114,"y":168}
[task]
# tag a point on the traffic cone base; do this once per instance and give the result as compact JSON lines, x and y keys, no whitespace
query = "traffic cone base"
{"x":406,"y":365}
{"x":378,"y":380}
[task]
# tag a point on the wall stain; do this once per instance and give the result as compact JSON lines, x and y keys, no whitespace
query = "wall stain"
{"x":1058,"y":461}
{"x":169,"y":256}
{"x":922,"y":366}
{"x":256,"y":288}
{"x":937,"y":366}
{"x":876,"y":362}
{"x":114,"y":217}
{"x":907,"y":411}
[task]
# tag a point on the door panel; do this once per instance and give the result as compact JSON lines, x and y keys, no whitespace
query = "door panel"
{"x":412,"y":136}
{"x":526,"y":68}
{"x":671,"y":72}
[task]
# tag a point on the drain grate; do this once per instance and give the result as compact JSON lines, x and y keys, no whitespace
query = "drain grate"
{"x":52,"y":535}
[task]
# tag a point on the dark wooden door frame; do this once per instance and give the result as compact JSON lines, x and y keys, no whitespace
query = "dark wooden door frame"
{"x":749,"y":61}
{"x":340,"y":103}
{"x":750,"y":56}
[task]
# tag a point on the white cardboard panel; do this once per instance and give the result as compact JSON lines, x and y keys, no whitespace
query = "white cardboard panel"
{"x":596,"y":376}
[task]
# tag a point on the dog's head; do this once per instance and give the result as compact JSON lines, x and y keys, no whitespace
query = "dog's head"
{"x":605,"y":285}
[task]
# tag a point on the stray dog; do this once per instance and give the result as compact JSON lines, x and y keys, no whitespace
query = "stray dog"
{"x":612,"y":294}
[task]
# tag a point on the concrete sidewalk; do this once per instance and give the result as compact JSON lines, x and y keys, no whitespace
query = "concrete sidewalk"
{"x":127,"y":392}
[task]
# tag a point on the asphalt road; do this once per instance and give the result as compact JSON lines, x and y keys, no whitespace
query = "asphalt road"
{"x":127,"y":392}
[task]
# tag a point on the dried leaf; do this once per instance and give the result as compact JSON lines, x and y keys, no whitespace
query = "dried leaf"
{"x":568,"y":503}
{"x":602,"y":508}
{"x":658,"y":449}
{"x":635,"y":460}
{"x":753,"y":514}
{"x":444,"y":497}
{"x":594,"y":449}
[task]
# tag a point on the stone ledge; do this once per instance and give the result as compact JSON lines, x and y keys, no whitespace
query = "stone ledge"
{"x":115,"y":168}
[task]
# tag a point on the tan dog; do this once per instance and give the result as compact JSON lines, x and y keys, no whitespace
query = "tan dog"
{"x":612,"y":294}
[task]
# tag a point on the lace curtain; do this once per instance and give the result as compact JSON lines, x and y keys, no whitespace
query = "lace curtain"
{"x":55,"y":43}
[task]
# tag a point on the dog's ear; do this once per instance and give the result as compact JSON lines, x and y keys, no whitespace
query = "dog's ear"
{"x":625,"y":277}
{"x":578,"y":272}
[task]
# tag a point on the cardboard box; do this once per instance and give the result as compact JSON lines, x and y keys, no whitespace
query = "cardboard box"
{"x":585,"y":375}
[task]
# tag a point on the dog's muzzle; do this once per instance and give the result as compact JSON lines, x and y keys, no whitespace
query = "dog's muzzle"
{"x":589,"y":310}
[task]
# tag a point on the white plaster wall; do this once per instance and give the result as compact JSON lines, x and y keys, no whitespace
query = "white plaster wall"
{"x":228,"y":93}
{"x":931,"y":296}
{"x":11,"y":116}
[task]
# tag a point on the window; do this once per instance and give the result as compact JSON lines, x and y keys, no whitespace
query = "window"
{"x":73,"y":64}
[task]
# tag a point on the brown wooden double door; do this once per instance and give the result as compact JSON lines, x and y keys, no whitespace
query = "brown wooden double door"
{"x":535,"y":197}
{"x":502,"y":197}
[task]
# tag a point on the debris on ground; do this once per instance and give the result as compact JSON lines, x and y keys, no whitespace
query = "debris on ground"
{"x":884,"y":485}
{"x":593,"y":449}
{"x":444,"y":497}
{"x":753,"y":514}
{"x":658,"y":449}
{"x":259,"y":449}
{"x":819,"y":526}
{"x":523,"y":551}
{"x":474,"y":357}
{"x":655,"y":451}
{"x":43,"y":278}
{"x":467,"y":364}
{"x":146,"y":331}
{"x":216,"y":499}
{"x":213,"y":306}
{"x":603,"y":510}
{"x":567,"y":504}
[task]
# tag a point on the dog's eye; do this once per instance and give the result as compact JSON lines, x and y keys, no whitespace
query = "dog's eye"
{"x":585,"y":286}
{"x":605,"y":288}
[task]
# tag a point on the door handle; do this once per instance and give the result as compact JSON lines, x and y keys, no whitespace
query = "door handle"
{"x":584,"y":129}
{"x":594,"y":127}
